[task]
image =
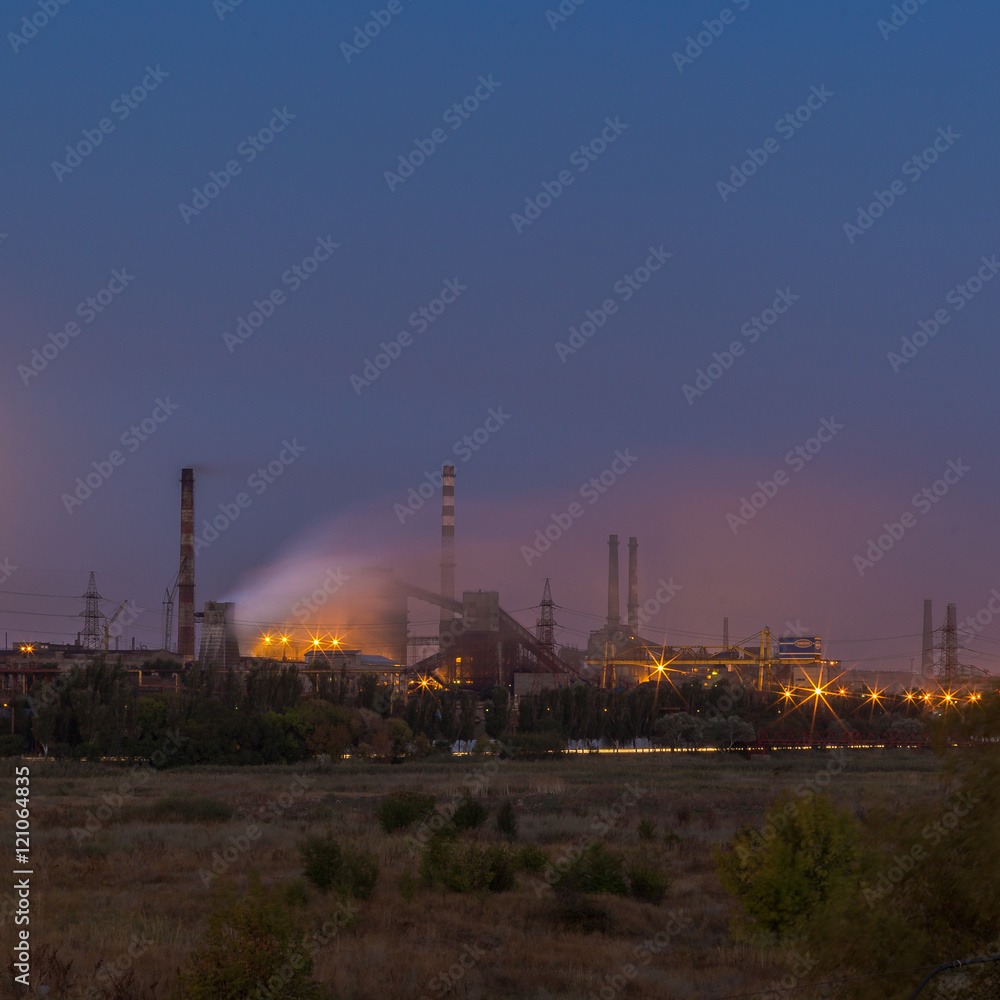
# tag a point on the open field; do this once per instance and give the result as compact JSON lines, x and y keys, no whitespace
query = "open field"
{"x":138,"y":873}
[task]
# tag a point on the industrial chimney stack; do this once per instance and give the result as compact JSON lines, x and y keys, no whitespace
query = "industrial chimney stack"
{"x":614,"y":613}
{"x":633,"y":584}
{"x":185,"y":578}
{"x":927,"y":653}
{"x":447,"y":544}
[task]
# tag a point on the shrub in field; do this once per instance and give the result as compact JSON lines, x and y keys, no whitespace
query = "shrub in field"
{"x":249,"y":942}
{"x":782,"y":877}
{"x":506,"y":820}
{"x":595,"y":869}
{"x":328,"y":866}
{"x":647,"y":881}
{"x":469,"y":814}
{"x":466,"y":867}
{"x":532,"y":859}
{"x":646,"y":830}
{"x":11,"y":746}
{"x":399,"y":810}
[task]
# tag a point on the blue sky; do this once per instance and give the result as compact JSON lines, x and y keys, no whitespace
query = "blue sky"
{"x":682,"y":128}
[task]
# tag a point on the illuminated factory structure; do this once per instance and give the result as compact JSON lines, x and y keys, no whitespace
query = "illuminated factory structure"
{"x":478,"y":644}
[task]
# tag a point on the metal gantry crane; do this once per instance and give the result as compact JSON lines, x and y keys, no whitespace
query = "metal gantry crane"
{"x":168,"y":612}
{"x":108,"y":622}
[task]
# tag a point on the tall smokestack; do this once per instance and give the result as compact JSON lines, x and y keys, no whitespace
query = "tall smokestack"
{"x":447,"y":543}
{"x":725,"y":633}
{"x":185,"y":577}
{"x":633,"y":584}
{"x":614,"y":614}
{"x":927,"y":654}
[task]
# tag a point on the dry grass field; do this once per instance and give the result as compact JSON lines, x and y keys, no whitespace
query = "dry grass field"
{"x":135,"y":879}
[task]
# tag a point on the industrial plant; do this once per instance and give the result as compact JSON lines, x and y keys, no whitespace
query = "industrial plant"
{"x":478,"y":645}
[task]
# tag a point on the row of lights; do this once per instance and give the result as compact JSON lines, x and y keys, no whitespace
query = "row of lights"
{"x":948,"y":698}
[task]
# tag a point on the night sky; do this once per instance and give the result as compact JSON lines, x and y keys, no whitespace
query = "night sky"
{"x":602,"y":172}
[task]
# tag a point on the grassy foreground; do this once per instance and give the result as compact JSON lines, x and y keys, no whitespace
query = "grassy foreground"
{"x":122,"y":887}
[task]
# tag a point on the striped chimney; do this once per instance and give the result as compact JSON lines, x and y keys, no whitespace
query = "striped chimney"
{"x":447,"y":543}
{"x":185,"y":578}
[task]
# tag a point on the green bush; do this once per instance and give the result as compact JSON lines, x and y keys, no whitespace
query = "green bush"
{"x":647,"y":882}
{"x":466,"y":867}
{"x":506,"y":820}
{"x":469,"y":814}
{"x":646,"y":830}
{"x":11,"y":746}
{"x":780,"y":878}
{"x":249,"y":941}
{"x":399,"y":810}
{"x":328,"y":866}
{"x":595,"y":869}
{"x":532,"y":859}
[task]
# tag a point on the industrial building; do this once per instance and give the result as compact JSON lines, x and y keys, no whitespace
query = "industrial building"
{"x":478,"y":645}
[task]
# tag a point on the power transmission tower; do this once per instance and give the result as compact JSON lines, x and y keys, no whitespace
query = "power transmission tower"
{"x":950,"y":667}
{"x":93,"y":633}
{"x":545,"y":629}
